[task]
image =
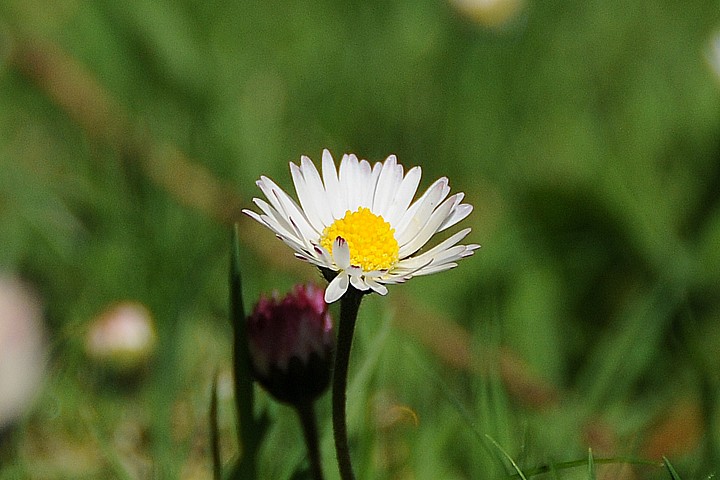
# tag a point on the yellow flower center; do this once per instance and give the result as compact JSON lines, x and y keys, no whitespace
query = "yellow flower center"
{"x":370,"y":238}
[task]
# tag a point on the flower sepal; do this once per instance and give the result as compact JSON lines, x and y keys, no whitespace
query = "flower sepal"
{"x":301,"y":382}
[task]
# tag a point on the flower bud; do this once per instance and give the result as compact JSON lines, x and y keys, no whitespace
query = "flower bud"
{"x":291,"y":341}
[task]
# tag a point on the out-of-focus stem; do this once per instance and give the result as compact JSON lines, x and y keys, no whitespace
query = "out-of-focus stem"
{"x":306,"y":412}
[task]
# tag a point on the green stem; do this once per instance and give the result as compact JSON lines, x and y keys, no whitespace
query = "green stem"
{"x":306,"y":412}
{"x":349,"y":306}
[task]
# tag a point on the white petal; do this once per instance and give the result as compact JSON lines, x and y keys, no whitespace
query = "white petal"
{"x":355,"y":270}
{"x":429,"y":229}
{"x":450,"y":255}
{"x":471,"y":249}
{"x":341,"y":253}
{"x":335,"y":197}
{"x":374,"y":273}
{"x":442,"y":261}
{"x":275,"y":221}
{"x":434,"y":269}
{"x":372,"y":186}
{"x":311,"y":193}
{"x":357,"y":282}
{"x":287,"y":207}
{"x":313,"y":180}
{"x":348,"y":180}
{"x":404,"y":195}
{"x":426,"y":257}
{"x":449,"y":242}
{"x":305,"y":239}
{"x":311,"y":260}
{"x":266,"y":186}
{"x":387,"y":186}
{"x":296,"y":245}
{"x":301,"y":247}
{"x":255,"y":216}
{"x":305,"y":254}
{"x":305,"y":197}
{"x":365,"y":185}
{"x":396,"y":279}
{"x":459,"y":213}
{"x":281,"y":226}
{"x":419,"y":212}
{"x":252,"y":214}
{"x":376,"y":287}
{"x":337,"y":287}
{"x":406,"y":270}
{"x":323,"y":255}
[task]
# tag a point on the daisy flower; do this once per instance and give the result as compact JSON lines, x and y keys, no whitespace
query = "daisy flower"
{"x":361,"y":222}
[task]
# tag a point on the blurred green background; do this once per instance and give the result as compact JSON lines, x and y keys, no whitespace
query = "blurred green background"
{"x":586,"y":135}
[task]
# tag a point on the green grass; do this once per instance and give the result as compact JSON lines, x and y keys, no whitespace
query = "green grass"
{"x":586,"y":135}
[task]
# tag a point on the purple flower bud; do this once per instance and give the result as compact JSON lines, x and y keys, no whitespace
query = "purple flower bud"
{"x":291,"y":342}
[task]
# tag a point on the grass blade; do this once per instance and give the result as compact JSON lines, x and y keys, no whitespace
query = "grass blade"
{"x":250,"y":431}
{"x":553,"y":471}
{"x":673,"y":474}
{"x":215,"y":432}
{"x":506,"y":455}
{"x":557,"y":466}
{"x":591,"y":465}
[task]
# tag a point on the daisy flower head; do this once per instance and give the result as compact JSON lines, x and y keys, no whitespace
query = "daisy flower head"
{"x":359,"y":222}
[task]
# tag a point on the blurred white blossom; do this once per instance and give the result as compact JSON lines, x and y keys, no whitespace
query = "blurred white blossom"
{"x":490,"y":13}
{"x":713,"y":54}
{"x":123,"y":336}
{"x":22,"y":348}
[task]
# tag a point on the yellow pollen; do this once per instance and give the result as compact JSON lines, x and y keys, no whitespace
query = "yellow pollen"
{"x":370,"y":238}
